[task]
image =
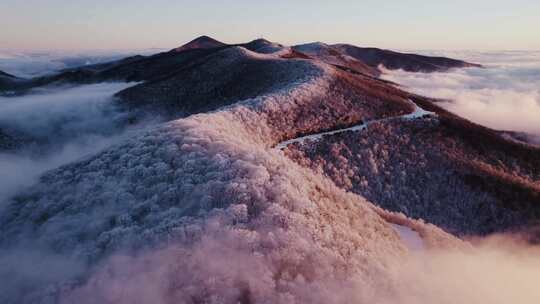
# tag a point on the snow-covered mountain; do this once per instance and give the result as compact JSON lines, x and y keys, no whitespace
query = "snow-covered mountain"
{"x":273,"y":175}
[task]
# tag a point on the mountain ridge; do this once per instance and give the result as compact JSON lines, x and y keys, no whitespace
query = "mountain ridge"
{"x":408,"y":62}
{"x":145,"y":68}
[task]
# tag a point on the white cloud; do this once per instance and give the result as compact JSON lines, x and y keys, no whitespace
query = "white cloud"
{"x":27,"y":64}
{"x":67,"y":124}
{"x":505,"y":95}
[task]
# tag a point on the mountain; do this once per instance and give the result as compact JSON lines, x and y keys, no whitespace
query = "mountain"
{"x":216,"y":176}
{"x":230,"y":75}
{"x":202,"y":42}
{"x":131,"y":69}
{"x":267,"y":163}
{"x":146,"y":68}
{"x":263,"y":46}
{"x":462,"y":177}
{"x":331,"y":55}
{"x":407,"y":62}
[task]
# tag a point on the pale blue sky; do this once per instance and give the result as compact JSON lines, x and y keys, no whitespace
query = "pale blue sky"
{"x":136,"y":24}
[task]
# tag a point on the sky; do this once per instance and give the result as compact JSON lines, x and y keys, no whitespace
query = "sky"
{"x":142,"y":24}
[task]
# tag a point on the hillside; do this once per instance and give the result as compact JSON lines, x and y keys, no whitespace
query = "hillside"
{"x":333,"y":56}
{"x":441,"y":168}
{"x":235,"y":74}
{"x":408,"y":62}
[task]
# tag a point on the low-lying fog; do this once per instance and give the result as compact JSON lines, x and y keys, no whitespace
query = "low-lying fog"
{"x":27,"y":64}
{"x":504,"y":95}
{"x":59,"y":125}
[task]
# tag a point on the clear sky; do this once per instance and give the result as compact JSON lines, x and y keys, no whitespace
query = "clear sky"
{"x":138,"y":24}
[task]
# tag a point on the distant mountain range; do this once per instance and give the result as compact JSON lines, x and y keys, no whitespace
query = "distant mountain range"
{"x":145,"y":68}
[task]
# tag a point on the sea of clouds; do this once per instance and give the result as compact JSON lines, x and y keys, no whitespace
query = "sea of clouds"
{"x":504,"y":95}
{"x":28,"y":64}
{"x":61,"y":125}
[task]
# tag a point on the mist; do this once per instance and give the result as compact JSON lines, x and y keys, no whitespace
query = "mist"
{"x":497,"y":270}
{"x":31,"y":63}
{"x":58,"y":126}
{"x":505,"y":95}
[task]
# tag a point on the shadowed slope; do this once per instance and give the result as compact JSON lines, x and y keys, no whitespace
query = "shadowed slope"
{"x":333,"y":56}
{"x":408,"y":62}
{"x":234,"y":74}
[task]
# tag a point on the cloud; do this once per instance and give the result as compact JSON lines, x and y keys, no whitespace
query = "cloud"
{"x":24,"y":268}
{"x":505,"y":95}
{"x":217,"y":269}
{"x":27,"y":64}
{"x":63,"y":124}
{"x":23,"y":168}
{"x":56,"y":114}
{"x":498,"y":269}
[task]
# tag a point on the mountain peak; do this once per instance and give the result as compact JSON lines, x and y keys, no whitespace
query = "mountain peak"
{"x":202,"y":42}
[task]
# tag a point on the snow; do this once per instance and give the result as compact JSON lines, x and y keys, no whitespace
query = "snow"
{"x":314,"y":48}
{"x":411,"y":238}
{"x":416,"y":114}
{"x":318,"y":136}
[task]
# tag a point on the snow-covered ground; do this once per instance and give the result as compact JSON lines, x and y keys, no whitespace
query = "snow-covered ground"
{"x":411,"y":238}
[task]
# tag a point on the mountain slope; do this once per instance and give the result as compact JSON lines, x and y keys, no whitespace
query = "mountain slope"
{"x":235,"y":74}
{"x":263,"y":46}
{"x":460,"y":176}
{"x":333,"y":56}
{"x":395,"y":60}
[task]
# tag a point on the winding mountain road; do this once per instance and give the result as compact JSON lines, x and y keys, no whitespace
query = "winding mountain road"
{"x":417,"y":113}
